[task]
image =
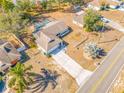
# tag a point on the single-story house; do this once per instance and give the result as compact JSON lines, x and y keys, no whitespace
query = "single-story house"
{"x":78,"y":18}
{"x":49,"y":37}
{"x":8,"y":53}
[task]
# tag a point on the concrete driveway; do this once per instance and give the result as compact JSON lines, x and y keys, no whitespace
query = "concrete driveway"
{"x":73,"y":68}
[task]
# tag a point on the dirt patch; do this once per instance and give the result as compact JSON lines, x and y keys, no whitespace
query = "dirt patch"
{"x":115,"y":15}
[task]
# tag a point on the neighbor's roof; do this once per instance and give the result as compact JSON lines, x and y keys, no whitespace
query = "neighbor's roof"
{"x":8,"y":57}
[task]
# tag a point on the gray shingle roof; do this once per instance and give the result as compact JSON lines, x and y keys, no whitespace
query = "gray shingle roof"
{"x":47,"y":38}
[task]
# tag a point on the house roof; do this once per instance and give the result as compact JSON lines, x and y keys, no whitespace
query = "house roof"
{"x":7,"y":57}
{"x":47,"y":38}
{"x":53,"y":28}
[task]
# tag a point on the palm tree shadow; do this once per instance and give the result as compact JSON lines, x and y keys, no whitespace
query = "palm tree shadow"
{"x":41,"y":81}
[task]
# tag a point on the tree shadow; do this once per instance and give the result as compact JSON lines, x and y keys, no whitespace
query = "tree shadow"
{"x":41,"y":81}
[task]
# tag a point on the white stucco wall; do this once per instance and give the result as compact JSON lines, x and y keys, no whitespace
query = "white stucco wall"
{"x":43,"y":50}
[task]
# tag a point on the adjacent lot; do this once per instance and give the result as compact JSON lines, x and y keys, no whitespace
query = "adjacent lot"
{"x":115,"y":15}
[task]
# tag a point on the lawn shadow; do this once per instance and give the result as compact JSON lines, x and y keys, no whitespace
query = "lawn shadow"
{"x":41,"y":81}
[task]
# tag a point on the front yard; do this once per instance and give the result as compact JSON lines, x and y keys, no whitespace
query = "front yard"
{"x":78,"y":38}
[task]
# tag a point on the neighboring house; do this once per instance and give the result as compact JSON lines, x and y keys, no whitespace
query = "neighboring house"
{"x":19,"y":45}
{"x":49,"y":37}
{"x":95,"y":4}
{"x":8,"y":53}
{"x":78,"y":18}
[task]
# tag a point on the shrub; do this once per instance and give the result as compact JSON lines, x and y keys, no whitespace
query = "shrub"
{"x":93,"y":50}
{"x":92,"y":21}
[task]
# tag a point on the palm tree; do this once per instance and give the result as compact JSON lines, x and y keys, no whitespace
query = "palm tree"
{"x":42,"y":81}
{"x":19,"y":78}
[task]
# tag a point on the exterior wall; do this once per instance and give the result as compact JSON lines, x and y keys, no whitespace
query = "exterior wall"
{"x":47,"y":52}
{"x":41,"y":49}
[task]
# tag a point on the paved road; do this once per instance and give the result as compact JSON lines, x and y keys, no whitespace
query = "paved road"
{"x":102,"y":78}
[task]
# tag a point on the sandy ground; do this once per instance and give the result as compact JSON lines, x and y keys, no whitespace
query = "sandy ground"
{"x":66,"y":84}
{"x":118,"y":85}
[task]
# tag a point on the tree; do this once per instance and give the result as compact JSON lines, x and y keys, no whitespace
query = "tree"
{"x":19,"y":77}
{"x":92,"y":21}
{"x":44,"y":4}
{"x":24,"y":5}
{"x":13,"y":23}
{"x":41,"y":81}
{"x":6,"y":5}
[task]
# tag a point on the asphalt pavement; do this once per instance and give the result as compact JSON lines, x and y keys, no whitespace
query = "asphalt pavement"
{"x":104,"y":75}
